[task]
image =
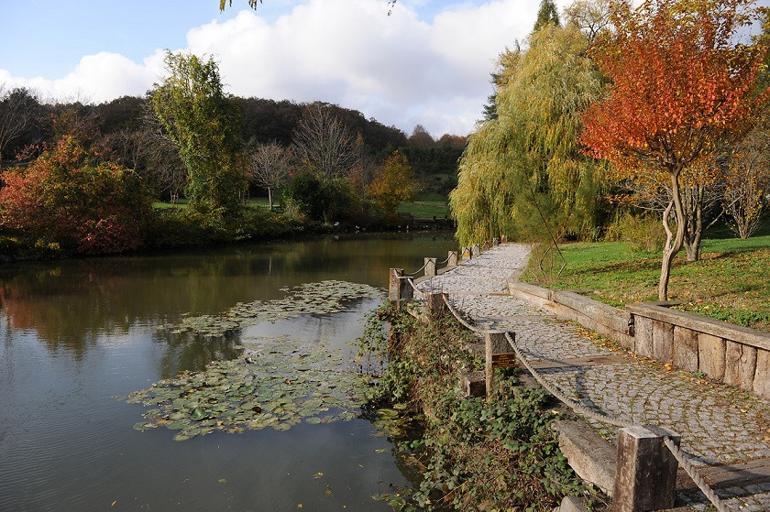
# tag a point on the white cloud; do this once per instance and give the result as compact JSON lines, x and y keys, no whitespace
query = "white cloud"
{"x":398,"y":68}
{"x":96,"y":78}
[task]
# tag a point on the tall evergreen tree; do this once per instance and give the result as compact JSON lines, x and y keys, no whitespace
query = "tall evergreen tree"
{"x":547,"y":15}
{"x":505,"y":64}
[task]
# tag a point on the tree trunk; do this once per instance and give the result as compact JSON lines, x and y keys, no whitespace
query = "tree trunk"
{"x":692,"y":249}
{"x":693,"y":222}
{"x":270,"y":198}
{"x":673,"y":240}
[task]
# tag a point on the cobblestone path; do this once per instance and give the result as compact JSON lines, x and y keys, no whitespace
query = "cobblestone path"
{"x":718,"y":424}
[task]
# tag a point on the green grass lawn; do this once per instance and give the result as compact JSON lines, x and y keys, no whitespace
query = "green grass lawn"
{"x":422,"y":208}
{"x":426,"y":207}
{"x":255,"y":202}
{"x":731,"y":282}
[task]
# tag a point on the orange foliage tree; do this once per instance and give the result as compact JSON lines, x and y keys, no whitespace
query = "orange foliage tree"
{"x":393,"y":183}
{"x":67,"y":199}
{"x":682,"y":86}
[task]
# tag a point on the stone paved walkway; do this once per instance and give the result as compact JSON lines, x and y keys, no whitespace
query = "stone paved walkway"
{"x":718,"y":425}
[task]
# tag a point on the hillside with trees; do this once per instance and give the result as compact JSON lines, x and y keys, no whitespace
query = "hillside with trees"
{"x":207,"y":159}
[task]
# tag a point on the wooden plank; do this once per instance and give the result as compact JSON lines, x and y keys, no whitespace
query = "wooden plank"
{"x":711,"y":356}
{"x":663,"y":341}
{"x":745,"y":335}
{"x":592,"y":457}
{"x":729,"y":475}
{"x":685,"y":349}
{"x":530,"y":289}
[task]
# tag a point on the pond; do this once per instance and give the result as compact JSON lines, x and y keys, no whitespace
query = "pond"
{"x":78,"y":336}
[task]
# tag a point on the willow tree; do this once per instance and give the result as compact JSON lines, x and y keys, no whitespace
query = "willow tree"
{"x":526,"y":165}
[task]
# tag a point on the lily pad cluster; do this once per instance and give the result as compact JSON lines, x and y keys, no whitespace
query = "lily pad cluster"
{"x":278,"y":385}
{"x":324,"y":297}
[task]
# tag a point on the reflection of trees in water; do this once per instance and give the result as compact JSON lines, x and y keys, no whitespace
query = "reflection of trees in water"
{"x":193,"y":354}
{"x":71,"y":303}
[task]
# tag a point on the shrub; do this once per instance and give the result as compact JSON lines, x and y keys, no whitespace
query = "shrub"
{"x":643,"y":232}
{"x":321,"y":199}
{"x":65,"y":198}
{"x":186,"y":227}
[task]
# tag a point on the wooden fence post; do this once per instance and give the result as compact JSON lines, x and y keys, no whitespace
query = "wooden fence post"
{"x":394,"y":284}
{"x":452,"y":258}
{"x":405,"y":291}
{"x":430,"y":267}
{"x":498,"y":354}
{"x":645,"y":478}
{"x":436,"y":307}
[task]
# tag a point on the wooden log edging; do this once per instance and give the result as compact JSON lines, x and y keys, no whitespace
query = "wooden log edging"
{"x":727,"y":353}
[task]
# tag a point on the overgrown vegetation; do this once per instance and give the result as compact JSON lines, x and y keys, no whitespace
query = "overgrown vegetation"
{"x":471,"y":454}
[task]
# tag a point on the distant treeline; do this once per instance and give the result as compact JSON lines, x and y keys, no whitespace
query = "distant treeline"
{"x":123,"y":131}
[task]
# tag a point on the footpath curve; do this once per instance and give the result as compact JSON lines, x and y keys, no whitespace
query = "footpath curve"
{"x":720,"y":426}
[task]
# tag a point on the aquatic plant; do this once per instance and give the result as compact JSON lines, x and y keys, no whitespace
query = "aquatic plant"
{"x":278,"y":385}
{"x":320,"y":298}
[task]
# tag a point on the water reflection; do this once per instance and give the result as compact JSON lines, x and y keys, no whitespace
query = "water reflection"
{"x":76,"y":334}
{"x":68,"y":305}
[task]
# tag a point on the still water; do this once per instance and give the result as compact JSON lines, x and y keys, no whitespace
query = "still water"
{"x":77,"y":335}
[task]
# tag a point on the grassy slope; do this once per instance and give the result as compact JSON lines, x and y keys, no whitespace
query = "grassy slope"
{"x":731,"y":282}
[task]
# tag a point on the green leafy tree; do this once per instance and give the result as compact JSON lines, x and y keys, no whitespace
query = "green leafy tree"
{"x":321,"y":199}
{"x":526,"y":165}
{"x":201,"y":121}
{"x":548,"y":14}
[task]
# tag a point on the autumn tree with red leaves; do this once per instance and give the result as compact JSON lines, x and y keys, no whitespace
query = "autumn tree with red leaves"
{"x":66,"y":198}
{"x":682,"y":85}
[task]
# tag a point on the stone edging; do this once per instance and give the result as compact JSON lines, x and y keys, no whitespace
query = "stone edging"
{"x":728,"y":353}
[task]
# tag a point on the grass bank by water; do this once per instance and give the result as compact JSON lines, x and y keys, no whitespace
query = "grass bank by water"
{"x":731,"y":282}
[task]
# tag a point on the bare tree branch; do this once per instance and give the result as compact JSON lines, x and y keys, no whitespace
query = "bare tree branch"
{"x":16,"y":114}
{"x":269,"y":167}
{"x":323,"y":143}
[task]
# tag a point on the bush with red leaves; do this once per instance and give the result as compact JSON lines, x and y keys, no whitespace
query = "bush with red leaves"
{"x":66,"y":197}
